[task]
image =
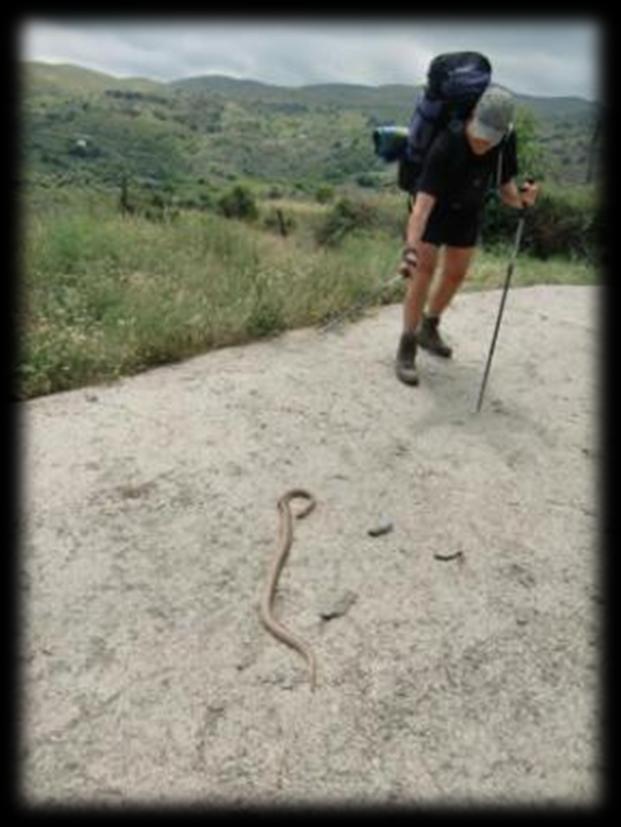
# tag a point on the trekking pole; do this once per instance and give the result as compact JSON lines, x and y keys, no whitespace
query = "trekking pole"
{"x":516,"y":247}
{"x":359,"y":305}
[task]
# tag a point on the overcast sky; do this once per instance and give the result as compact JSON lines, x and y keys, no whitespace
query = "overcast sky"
{"x":559,"y":56}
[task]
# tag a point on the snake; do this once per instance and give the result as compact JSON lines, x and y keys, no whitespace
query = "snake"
{"x":285,"y":541}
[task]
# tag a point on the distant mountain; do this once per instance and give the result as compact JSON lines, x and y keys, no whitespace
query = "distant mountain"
{"x":91,"y":126}
{"x":354,"y":96}
{"x":239,"y":89}
{"x":64,"y":78}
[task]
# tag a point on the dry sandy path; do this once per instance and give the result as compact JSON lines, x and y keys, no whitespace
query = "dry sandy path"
{"x":150,"y":520}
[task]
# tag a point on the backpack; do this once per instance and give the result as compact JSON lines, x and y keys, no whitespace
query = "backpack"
{"x":455,"y":82}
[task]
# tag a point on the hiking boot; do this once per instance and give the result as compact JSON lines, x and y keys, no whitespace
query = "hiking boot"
{"x":404,"y":366}
{"x":429,"y":338}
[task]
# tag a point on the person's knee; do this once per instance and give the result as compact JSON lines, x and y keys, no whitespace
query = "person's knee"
{"x":457,"y":264}
{"x":421,"y":278}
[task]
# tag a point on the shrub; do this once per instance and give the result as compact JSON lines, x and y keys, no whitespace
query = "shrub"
{"x":366,"y":180}
{"x":238,"y":203}
{"x":345,"y":217}
{"x":563,"y":222}
{"x":324,"y":194}
{"x":565,"y":226}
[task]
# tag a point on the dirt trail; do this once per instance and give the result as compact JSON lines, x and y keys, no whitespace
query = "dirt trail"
{"x":151,"y":520}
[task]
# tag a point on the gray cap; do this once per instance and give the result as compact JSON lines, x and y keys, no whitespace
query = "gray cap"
{"x":493,"y":115}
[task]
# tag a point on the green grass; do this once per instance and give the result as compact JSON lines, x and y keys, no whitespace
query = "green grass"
{"x":106,"y":296}
{"x":489,"y":270}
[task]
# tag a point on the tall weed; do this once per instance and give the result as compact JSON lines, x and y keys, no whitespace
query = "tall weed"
{"x":105,"y":296}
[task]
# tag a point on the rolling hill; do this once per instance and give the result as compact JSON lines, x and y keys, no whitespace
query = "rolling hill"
{"x":87,"y":127}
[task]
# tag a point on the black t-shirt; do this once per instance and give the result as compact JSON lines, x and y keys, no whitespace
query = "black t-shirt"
{"x":460,"y":179}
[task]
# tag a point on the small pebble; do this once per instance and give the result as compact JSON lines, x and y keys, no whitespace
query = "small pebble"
{"x":454,"y":556}
{"x":339,"y":606}
{"x":382,"y":528}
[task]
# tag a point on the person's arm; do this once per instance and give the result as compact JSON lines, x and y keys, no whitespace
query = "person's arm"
{"x":417,"y":223}
{"x":419,"y":216}
{"x":432,"y":185}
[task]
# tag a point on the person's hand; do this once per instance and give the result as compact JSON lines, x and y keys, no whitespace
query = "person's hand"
{"x":409,"y":260}
{"x":529,"y":191}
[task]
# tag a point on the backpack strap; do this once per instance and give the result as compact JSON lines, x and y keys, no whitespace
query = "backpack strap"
{"x":499,"y":167}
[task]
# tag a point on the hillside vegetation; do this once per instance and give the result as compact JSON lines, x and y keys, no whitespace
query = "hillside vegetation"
{"x":87,"y":126}
{"x":162,"y":220}
{"x":107,"y":294}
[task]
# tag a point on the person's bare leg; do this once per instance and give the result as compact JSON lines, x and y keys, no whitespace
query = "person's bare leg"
{"x":457,"y":261}
{"x":415,"y":298}
{"x":418,"y":286}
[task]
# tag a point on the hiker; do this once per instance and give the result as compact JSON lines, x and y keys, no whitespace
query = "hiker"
{"x":447,"y":210}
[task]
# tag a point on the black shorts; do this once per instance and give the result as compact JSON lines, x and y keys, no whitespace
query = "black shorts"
{"x":453,"y":226}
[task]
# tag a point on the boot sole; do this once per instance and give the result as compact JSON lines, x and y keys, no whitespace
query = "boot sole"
{"x":407,"y":380}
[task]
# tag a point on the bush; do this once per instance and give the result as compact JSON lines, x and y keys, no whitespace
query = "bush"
{"x":324,"y":194}
{"x":565,"y":226}
{"x":275,"y":192}
{"x":563,"y":222}
{"x":366,"y":180}
{"x":345,"y":217}
{"x":238,"y":203}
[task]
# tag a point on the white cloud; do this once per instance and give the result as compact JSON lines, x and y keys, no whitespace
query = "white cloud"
{"x":553,"y":58}
{"x":545,"y":74}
